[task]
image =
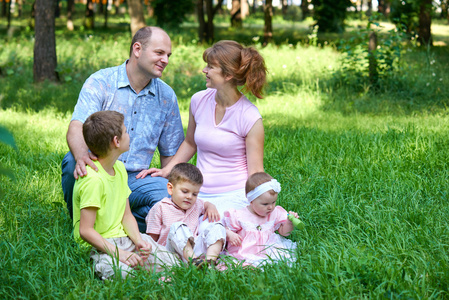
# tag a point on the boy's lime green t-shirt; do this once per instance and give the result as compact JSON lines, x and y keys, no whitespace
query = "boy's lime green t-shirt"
{"x":105,"y":192}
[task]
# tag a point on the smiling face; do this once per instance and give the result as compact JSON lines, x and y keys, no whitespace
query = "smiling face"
{"x":184,"y":193}
{"x":214,"y":76}
{"x":264,"y":204}
{"x":153,"y":57}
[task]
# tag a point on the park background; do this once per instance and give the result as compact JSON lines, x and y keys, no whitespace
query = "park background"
{"x":358,"y":139}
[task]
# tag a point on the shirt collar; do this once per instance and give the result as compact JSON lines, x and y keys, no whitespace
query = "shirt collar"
{"x":123,"y":80}
{"x":168,"y":201}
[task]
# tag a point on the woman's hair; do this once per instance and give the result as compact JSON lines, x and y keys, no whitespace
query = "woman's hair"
{"x":99,"y":130}
{"x":255,"y":180}
{"x":245,"y":65}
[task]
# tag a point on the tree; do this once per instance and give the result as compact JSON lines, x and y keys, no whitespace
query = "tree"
{"x":70,"y":10}
{"x":45,"y":42}
{"x":384,"y":7}
{"x":305,"y":8}
{"x":135,"y":10}
{"x":239,"y":10}
{"x":89,"y":20}
{"x":284,"y":4}
{"x":415,"y":15}
{"x":206,"y":26}
{"x":268,"y":26}
{"x":330,"y":14}
{"x":425,"y":20}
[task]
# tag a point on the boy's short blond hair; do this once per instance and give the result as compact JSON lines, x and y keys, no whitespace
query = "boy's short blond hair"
{"x":185,"y":172}
{"x":99,"y":130}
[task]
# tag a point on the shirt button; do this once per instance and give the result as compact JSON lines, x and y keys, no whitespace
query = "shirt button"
{"x":135,"y":112}
{"x":124,"y":161}
{"x":132,"y":129}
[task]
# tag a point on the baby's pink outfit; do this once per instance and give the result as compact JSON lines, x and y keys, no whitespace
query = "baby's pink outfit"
{"x":260,"y":243}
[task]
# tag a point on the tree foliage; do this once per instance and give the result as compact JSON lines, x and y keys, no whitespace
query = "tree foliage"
{"x":330,"y":14}
{"x":171,"y":13}
{"x":415,"y":16}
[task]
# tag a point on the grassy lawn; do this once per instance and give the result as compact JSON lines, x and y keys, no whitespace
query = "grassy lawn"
{"x":365,"y":168}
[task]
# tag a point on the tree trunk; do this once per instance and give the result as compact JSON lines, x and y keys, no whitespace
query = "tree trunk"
{"x":206,"y":29}
{"x":305,"y":9}
{"x":210,"y":21}
{"x":150,"y":9}
{"x":284,"y":7}
{"x":105,"y":12}
{"x":383,"y":7}
{"x":425,"y":20}
{"x":8,"y":14}
{"x":89,"y":20}
{"x":19,"y":8}
{"x":444,"y":6}
{"x":70,"y":6}
{"x":370,"y":8}
{"x":236,"y":16}
{"x":202,"y":34}
{"x":254,"y":7}
{"x":4,"y":7}
{"x":372,"y":62}
{"x":244,"y":8}
{"x":268,"y":26}
{"x":45,"y":42}
{"x":116,"y":4}
{"x":135,"y":10}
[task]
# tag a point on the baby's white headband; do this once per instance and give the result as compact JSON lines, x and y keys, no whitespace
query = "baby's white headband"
{"x":273,"y":184}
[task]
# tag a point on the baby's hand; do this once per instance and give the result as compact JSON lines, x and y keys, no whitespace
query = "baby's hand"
{"x":233,"y":238}
{"x":293,"y":214}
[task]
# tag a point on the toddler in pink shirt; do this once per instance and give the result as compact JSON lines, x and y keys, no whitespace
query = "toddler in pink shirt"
{"x":173,"y":222}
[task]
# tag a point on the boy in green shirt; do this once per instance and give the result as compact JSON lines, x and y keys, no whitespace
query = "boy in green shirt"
{"x":102,"y":216}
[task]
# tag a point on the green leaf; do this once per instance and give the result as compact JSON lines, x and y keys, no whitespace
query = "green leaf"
{"x":6,"y":137}
{"x":8,"y":172}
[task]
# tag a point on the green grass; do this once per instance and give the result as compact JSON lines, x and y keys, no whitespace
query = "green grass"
{"x":366,"y":169}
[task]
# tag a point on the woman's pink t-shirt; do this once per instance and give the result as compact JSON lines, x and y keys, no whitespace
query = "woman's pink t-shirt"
{"x":221,"y":148}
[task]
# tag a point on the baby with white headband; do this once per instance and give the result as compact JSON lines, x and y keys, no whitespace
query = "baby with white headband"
{"x":251,"y":232}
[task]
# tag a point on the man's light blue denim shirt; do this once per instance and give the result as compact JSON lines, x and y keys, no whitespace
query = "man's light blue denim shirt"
{"x":151,"y":117}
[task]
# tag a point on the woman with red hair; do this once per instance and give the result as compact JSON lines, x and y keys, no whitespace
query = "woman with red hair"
{"x":225,"y":129}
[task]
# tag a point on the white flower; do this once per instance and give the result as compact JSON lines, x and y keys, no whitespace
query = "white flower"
{"x":427,"y":84}
{"x":433,"y":74}
{"x":284,"y":66}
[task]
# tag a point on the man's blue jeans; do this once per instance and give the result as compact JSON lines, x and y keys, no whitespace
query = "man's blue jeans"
{"x":145,"y":192}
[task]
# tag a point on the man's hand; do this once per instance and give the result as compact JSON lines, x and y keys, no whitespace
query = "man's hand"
{"x":80,"y":167}
{"x":154,"y":172}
